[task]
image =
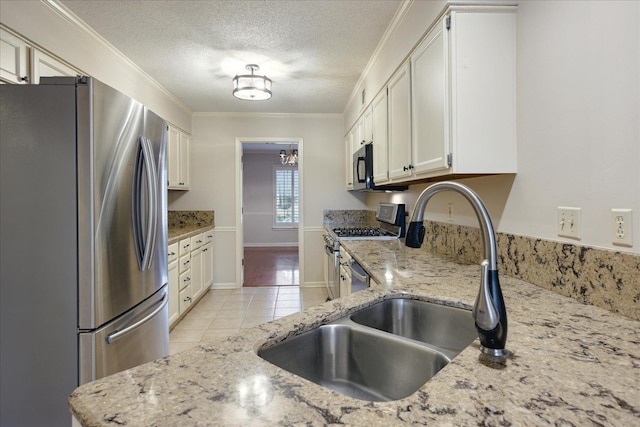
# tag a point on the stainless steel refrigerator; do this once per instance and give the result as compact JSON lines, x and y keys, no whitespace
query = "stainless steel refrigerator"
{"x":83,"y":220}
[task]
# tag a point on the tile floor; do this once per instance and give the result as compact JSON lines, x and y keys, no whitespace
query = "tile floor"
{"x":225,"y":312}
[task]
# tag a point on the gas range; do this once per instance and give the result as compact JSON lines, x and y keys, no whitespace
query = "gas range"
{"x":391,"y":225}
{"x":375,"y":233}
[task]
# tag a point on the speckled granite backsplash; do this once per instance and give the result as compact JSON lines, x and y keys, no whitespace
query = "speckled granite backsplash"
{"x":339,"y":218}
{"x":604,"y":278}
{"x":190,"y":218}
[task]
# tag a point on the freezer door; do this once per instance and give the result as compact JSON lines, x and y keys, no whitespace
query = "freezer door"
{"x":139,"y":336}
{"x":121,"y":251}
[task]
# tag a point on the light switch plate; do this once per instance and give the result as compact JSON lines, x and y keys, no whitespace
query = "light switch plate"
{"x":569,"y":222}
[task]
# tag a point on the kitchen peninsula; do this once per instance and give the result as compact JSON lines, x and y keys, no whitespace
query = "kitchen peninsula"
{"x":570,"y":363}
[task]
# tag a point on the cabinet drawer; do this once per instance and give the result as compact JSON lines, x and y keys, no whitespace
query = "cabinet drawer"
{"x":185,"y":246}
{"x":185,"y":299}
{"x":172,"y":253}
{"x":185,"y":263}
{"x":197,"y":241}
{"x":185,"y":279}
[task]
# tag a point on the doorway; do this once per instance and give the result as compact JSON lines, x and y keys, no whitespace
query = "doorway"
{"x":269,"y":231}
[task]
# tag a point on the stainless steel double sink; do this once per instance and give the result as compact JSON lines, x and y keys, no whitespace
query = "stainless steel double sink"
{"x":383,"y":352}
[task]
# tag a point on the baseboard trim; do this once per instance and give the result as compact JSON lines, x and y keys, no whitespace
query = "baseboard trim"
{"x":271,"y":245}
{"x":223,"y":286}
{"x":313,"y":285}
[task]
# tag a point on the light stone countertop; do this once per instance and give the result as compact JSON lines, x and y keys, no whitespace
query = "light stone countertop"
{"x":175,"y":234}
{"x":571,"y":364}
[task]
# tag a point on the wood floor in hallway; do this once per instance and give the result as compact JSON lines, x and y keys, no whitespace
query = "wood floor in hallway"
{"x":271,"y":266}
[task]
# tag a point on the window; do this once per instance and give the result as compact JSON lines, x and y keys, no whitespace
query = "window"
{"x":285,"y":195}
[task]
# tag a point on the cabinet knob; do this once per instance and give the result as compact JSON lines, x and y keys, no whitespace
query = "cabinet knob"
{"x":25,"y":79}
{"x":407,"y":168}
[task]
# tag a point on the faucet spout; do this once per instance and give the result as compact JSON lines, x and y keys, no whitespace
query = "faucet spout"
{"x":489,"y":311}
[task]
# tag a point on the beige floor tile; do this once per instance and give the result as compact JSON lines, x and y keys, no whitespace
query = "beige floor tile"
{"x":201,"y":312}
{"x":218,"y":333}
{"x":266,"y":290}
{"x":243,"y":291}
{"x":250,"y":322}
{"x":177,"y":347}
{"x":236,"y":305}
{"x":261,"y":305}
{"x":289,"y":290}
{"x":239,"y":297}
{"x":288,"y":297}
{"x":219,"y":292}
{"x":186,"y":335}
{"x":288,"y":304}
{"x":264,"y":297}
{"x":226,"y":323}
{"x":284,"y":312}
{"x":192,"y":323}
{"x":259,"y":311}
{"x":230,"y":314}
{"x":210,"y":303}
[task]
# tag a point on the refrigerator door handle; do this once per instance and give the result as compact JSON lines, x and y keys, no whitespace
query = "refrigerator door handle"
{"x":152,"y":221}
{"x":119,"y":333}
{"x":144,"y":244}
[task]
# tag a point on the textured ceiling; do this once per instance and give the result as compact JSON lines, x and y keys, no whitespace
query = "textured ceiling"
{"x":314,"y":51}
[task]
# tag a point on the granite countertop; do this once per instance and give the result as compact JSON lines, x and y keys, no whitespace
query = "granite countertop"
{"x":178,"y":233}
{"x":570,"y":364}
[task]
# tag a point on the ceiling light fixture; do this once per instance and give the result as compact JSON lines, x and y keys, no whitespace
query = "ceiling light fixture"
{"x":252,"y":87}
{"x":289,"y":159}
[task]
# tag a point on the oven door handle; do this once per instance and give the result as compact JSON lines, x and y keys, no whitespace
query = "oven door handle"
{"x":362,"y":277}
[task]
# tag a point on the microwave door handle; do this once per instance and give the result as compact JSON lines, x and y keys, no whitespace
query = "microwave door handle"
{"x":360,"y":161}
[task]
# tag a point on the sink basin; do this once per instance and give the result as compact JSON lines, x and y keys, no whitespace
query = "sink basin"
{"x":357,"y":362}
{"x":449,"y":329}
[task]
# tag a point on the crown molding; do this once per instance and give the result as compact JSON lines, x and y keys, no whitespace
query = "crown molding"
{"x":395,"y":21}
{"x":74,"y":20}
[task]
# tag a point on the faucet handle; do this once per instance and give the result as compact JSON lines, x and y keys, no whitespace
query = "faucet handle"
{"x":485,"y":313}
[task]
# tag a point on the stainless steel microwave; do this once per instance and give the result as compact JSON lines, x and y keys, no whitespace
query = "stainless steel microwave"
{"x":363,"y":172}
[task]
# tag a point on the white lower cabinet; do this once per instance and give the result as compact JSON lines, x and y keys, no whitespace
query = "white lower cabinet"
{"x":174,"y":284}
{"x":190,"y":271}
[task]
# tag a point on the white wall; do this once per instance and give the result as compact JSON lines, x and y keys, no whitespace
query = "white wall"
{"x":578,"y":118}
{"x":258,"y":192}
{"x":50,"y":27}
{"x":214,"y":172}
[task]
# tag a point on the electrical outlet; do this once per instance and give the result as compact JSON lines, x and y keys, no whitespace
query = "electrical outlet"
{"x":450,"y":214}
{"x":569,"y":223}
{"x":621,"y":227}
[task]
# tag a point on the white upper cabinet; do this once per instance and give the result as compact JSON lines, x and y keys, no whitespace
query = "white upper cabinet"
{"x":451,"y":106}
{"x":380,"y":138}
{"x":464,"y":96}
{"x":399,"y":123}
{"x":430,"y":101}
{"x":44,"y":65}
{"x":177,"y":159}
{"x":14,"y":54}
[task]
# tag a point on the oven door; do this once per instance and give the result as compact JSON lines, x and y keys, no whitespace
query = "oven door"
{"x":359,"y":278}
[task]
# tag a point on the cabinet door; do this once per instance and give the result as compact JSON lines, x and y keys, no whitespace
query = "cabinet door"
{"x":345,"y":282}
{"x":196,"y":274}
{"x":13,"y":59}
{"x":207,"y":266}
{"x":380,"y":138}
{"x":174,"y":292}
{"x":173,"y":157}
{"x":43,"y":65}
{"x":185,"y":143}
{"x":367,"y":126}
{"x":185,"y":299}
{"x":430,"y":102}
{"x":399,"y":104}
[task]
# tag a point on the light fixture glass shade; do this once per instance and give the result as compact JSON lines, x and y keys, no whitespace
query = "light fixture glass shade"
{"x":289,"y":159}
{"x":252,"y":87}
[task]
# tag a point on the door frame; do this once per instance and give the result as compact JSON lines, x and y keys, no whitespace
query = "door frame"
{"x":239,"y":197}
